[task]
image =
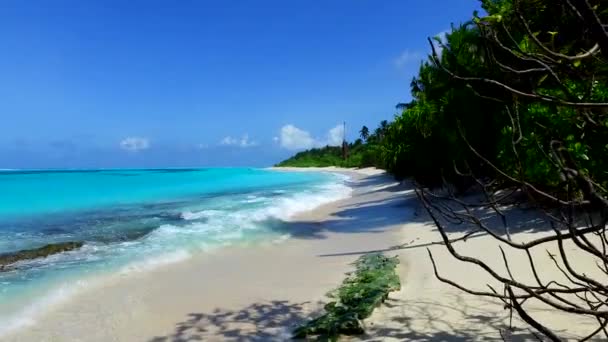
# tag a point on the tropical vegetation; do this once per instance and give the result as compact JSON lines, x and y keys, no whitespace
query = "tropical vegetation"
{"x":364,"y":152}
{"x":462,"y":106}
{"x":517,"y":99}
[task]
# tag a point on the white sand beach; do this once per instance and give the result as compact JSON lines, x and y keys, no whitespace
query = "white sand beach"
{"x":259,"y":292}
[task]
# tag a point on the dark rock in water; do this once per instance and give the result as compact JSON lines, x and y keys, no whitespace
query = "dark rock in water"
{"x":123,"y":235}
{"x":170,"y":217}
{"x":53,"y":231}
{"x":41,"y":252}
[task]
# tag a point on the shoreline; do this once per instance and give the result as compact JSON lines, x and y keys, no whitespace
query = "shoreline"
{"x":260,"y":292}
{"x":39,"y":299}
{"x":227,"y":278}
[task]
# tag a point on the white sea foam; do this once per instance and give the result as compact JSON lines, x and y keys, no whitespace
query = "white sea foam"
{"x":282,"y":207}
{"x":253,"y":199}
{"x":281,"y":238}
{"x":27,"y":316}
{"x":152,"y":263}
{"x":173,"y":243}
{"x":286,"y":207}
{"x":189,"y":215}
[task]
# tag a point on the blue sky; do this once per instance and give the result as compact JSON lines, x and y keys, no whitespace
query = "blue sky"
{"x":202,"y":83}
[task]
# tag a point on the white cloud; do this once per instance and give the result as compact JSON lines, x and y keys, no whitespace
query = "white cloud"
{"x":135,"y":144}
{"x":335,"y":136}
{"x":244,"y":141}
{"x":407,"y":57}
{"x":294,"y":138}
{"x":229,"y":141}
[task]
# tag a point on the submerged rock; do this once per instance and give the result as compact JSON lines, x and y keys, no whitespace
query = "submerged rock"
{"x":41,"y":252}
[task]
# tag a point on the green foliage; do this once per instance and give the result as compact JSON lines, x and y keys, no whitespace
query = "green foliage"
{"x":433,"y":136}
{"x":424,"y":141}
{"x":364,"y":132}
{"x":360,"y":293}
{"x":317,"y":157}
{"x":360,"y":154}
{"x":450,"y":121}
{"x":542,"y":125}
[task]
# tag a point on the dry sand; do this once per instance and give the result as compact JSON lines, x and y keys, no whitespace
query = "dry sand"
{"x":258,"y":293}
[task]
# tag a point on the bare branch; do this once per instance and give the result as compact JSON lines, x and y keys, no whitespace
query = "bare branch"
{"x":531,"y":34}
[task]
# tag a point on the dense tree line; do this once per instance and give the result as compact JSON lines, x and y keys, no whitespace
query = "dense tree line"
{"x":526,"y":73}
{"x":363,"y":152}
{"x":540,"y":81}
{"x":462,"y":105}
{"x":515,"y":99}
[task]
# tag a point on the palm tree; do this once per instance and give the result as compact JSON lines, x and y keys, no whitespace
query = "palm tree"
{"x":381,"y":131}
{"x":384,"y":126}
{"x":364,"y":133}
{"x":401,"y":106}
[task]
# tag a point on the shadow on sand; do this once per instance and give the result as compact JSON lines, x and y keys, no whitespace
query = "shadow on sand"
{"x":271,"y":321}
{"x":428,"y":321}
{"x":274,"y":321}
{"x":377,"y":216}
{"x":419,"y":321}
{"x":371,"y":216}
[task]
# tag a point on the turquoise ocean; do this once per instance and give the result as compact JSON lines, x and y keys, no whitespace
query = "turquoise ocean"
{"x":136,"y":220}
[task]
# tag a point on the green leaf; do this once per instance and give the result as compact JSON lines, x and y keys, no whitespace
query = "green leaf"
{"x":493,"y":18}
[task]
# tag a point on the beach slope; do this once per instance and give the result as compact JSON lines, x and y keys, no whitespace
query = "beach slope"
{"x":260,"y":290}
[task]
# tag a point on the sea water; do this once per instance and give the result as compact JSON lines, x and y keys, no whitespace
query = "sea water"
{"x":137,"y":220}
